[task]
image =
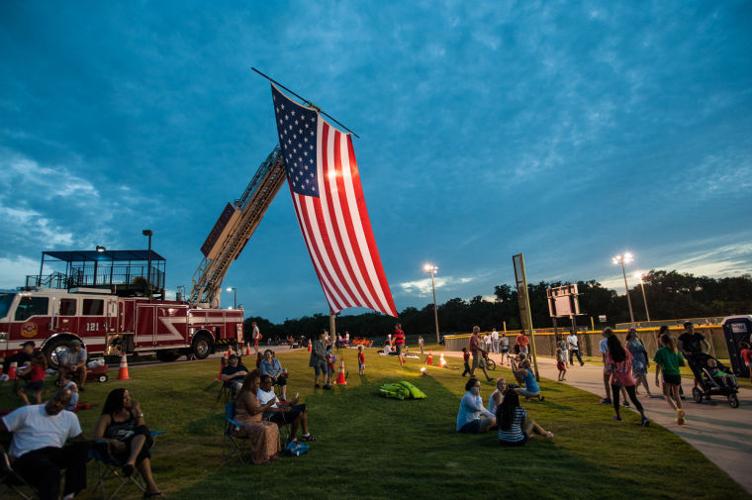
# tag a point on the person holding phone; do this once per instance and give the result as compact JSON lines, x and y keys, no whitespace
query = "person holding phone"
{"x":263,"y":436}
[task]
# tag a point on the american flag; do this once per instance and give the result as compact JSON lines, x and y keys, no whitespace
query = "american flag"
{"x":325,"y":186}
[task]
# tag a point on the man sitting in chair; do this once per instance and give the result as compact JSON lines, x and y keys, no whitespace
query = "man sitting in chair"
{"x":233,"y":374}
{"x":38,"y":448}
{"x":284,"y":413}
{"x":72,"y":364}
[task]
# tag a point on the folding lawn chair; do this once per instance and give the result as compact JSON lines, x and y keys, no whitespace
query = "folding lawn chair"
{"x":225,"y":393}
{"x":233,"y":441}
{"x":108,"y":468}
{"x":13,"y":481}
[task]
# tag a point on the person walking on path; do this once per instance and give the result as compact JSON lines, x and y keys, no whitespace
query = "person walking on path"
{"x":317,"y":361}
{"x":494,"y":341}
{"x":504,"y":346}
{"x":474,"y":346}
{"x":620,"y":360}
{"x":746,"y":354}
{"x":692,"y":345}
{"x":640,"y":361}
{"x":573,"y":346}
{"x":667,"y":362}
{"x":603,"y":348}
{"x":421,"y":344}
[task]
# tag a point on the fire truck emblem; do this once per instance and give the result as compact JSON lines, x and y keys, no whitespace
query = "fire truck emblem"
{"x":29,"y":330}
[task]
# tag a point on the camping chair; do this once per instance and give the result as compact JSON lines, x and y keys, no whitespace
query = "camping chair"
{"x":110,"y":468}
{"x":12,"y":480}
{"x":225,"y":393}
{"x":233,"y":442}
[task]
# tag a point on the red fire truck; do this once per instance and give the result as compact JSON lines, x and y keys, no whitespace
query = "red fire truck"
{"x":104,"y":300}
{"x":114,"y":300}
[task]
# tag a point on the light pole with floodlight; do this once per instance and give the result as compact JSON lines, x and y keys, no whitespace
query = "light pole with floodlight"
{"x":640,"y":275}
{"x":234,"y":297}
{"x":623,"y":259}
{"x":430,"y":268}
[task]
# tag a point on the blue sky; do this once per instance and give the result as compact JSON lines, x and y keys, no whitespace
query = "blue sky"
{"x":568,"y":131}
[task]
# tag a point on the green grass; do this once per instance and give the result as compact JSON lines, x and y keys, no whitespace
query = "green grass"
{"x":370,"y":447}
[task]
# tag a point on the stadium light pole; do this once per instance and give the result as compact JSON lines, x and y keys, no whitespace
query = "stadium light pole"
{"x":624,"y":259}
{"x":639,"y":275}
{"x":234,"y":297}
{"x":430,"y":268}
{"x":148,"y":233}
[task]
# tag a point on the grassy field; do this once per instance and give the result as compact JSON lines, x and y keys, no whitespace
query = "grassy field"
{"x":370,"y":447}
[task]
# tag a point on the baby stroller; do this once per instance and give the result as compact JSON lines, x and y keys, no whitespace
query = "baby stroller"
{"x":710,"y":385}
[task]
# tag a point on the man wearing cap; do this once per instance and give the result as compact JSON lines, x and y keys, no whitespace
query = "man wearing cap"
{"x":72,"y":364}
{"x":692,"y":345}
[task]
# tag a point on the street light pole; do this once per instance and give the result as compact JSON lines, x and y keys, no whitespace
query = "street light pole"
{"x":623,"y":259}
{"x":148,"y":233}
{"x":644,"y":296}
{"x":430,"y":268}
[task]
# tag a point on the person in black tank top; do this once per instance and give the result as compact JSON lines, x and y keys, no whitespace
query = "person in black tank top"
{"x":121,"y":426}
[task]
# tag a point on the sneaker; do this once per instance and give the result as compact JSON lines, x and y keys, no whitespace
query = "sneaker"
{"x":645,"y":422}
{"x":617,"y":418}
{"x":626,"y":404}
{"x":327,"y":386}
{"x":680,"y":417}
{"x":605,"y":401}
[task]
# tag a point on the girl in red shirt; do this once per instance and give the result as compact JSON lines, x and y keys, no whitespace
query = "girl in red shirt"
{"x":620,"y":362}
{"x":34,"y":374}
{"x":361,"y":361}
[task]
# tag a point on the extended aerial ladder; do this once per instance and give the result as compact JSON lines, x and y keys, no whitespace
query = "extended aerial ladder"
{"x":233,"y":229}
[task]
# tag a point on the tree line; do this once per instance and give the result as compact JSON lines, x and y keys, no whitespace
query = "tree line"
{"x":669,"y":294}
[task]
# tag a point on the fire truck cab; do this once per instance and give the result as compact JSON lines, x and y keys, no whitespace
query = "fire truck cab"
{"x":106,"y":300}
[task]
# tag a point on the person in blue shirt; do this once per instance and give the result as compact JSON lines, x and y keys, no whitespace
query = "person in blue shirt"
{"x":473,"y":417}
{"x":524,"y":373}
{"x":271,"y":366}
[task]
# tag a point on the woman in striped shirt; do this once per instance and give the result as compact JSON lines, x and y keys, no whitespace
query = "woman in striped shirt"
{"x":515,"y":428}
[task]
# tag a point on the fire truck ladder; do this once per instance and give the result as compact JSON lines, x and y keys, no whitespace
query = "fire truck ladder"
{"x":252,"y":205}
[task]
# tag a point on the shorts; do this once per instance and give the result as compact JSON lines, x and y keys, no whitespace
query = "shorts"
{"x":505,"y":350}
{"x":399,"y":349}
{"x":670,"y":378}
{"x":472,"y":427}
{"x":607,"y":370}
{"x":288,"y":417}
{"x":320,"y":369}
{"x":476,"y":361}
{"x":513,"y":444}
{"x":34,"y":386}
{"x":281,"y":381}
{"x":361,"y":366}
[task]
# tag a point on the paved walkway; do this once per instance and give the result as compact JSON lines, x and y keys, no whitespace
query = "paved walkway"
{"x":721,"y":433}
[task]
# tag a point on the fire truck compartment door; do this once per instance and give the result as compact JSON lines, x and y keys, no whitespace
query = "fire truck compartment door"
{"x":146,"y":330}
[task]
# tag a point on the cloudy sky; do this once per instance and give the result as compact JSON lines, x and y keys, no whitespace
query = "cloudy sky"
{"x":568,"y":131}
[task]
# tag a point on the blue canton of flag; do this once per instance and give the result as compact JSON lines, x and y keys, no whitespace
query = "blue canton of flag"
{"x":297,"y":136}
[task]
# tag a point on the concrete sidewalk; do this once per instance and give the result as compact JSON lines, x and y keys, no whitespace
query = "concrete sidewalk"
{"x":721,"y":433}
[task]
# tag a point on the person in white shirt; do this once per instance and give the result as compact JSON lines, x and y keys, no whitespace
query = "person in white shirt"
{"x":494,"y":341}
{"x":573,"y":346}
{"x":39,"y":449}
{"x":504,"y":347}
{"x":284,"y":412}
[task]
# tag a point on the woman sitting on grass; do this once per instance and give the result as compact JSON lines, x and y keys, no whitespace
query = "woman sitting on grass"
{"x":472,"y":417}
{"x":498,"y":395}
{"x":515,"y":428}
{"x":121,"y":426}
{"x":524,"y":373}
{"x":263,"y":436}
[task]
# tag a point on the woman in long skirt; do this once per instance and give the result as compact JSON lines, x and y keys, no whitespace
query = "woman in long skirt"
{"x":263,"y":436}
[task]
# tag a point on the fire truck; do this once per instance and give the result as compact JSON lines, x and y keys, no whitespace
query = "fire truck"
{"x":113,"y":301}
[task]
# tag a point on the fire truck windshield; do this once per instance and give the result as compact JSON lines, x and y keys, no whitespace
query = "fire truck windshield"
{"x":5,"y":301}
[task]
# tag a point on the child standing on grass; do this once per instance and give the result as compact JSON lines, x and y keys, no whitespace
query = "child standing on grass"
{"x":561,"y":363}
{"x":361,"y":361}
{"x":331,"y":360}
{"x":466,"y":359}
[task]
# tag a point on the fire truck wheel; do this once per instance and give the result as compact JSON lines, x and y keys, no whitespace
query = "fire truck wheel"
{"x":55,"y":348}
{"x":201,"y":346}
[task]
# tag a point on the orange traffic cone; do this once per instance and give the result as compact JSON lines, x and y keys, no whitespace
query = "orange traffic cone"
{"x":442,"y":361}
{"x":123,"y":373}
{"x":341,"y":378}
{"x":12,"y":370}
{"x":429,"y":359}
{"x":247,"y":350}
